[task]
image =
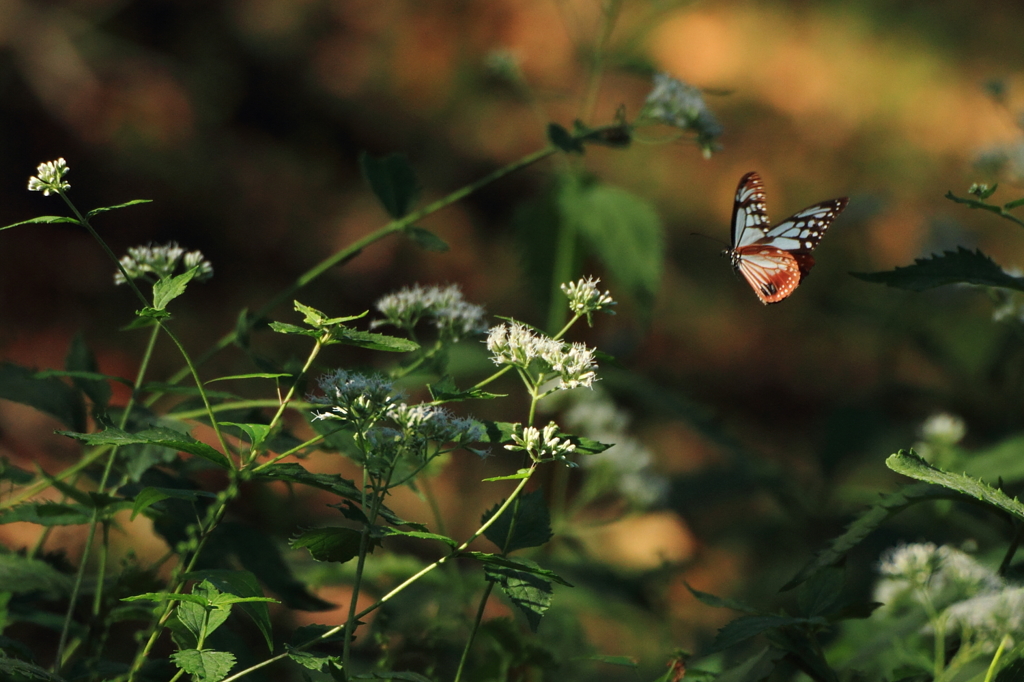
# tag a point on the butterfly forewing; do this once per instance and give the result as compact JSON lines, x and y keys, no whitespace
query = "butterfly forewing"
{"x":775,"y":260}
{"x":749,"y":213}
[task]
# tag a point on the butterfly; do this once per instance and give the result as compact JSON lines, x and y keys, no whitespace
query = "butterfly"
{"x":774,"y":260}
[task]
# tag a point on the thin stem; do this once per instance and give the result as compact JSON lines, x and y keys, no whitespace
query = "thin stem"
{"x":993,"y":667}
{"x":476,"y":628}
{"x":610,"y":15}
{"x":357,"y":246}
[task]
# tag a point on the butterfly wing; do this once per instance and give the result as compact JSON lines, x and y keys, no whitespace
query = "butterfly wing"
{"x":749,"y":214}
{"x":775,"y":260}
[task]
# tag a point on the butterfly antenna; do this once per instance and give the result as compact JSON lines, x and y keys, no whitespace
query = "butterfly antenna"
{"x":714,"y":239}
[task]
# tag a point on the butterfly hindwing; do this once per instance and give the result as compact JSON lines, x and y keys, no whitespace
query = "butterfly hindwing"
{"x":774,"y":260}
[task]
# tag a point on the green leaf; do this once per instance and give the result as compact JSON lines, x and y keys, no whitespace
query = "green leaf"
{"x":14,"y":474}
{"x":312,"y":661}
{"x":952,"y":267}
{"x":819,"y":594}
{"x":372,"y":341}
{"x":406,"y":676}
{"x":889,"y":505}
{"x":104,"y":209}
{"x":47,"y":514}
{"x":329,"y":544}
{"x":516,"y":565}
{"x":445,"y":391}
{"x":22,"y":671}
{"x":242,"y":584}
{"x":806,"y":652}
{"x":45,"y":219}
{"x":293,"y":472}
{"x":622,"y":229}
{"x":386,"y":532}
{"x":257,"y":433}
{"x":52,"y":396}
{"x":563,"y":139}
{"x":910,"y":464}
{"x":753,"y":669}
{"x":169,"y":288}
{"x":425,"y":239}
{"x":149,"y":496}
{"x":392,"y":180}
{"x":161,"y":436}
{"x":745,"y":627}
{"x":532,"y":527}
{"x":21,"y":575}
{"x":206,"y":665}
{"x":529,"y":592}
{"x":81,"y":365}
{"x":258,"y":375}
{"x":720,"y":602}
{"x":517,"y":476}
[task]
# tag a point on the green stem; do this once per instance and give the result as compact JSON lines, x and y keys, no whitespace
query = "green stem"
{"x":993,"y":667}
{"x":476,"y":628}
{"x":354,"y":249}
{"x":611,"y":13}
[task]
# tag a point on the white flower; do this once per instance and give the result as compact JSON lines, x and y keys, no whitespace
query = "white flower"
{"x":49,"y":177}
{"x":990,"y":616}
{"x":517,"y":345}
{"x":681,"y":105}
{"x":923,"y":572}
{"x":585,"y":298}
{"x":542,"y":445}
{"x":943,"y":428}
{"x":355,"y":397}
{"x":454,"y":317}
{"x":161,"y":261}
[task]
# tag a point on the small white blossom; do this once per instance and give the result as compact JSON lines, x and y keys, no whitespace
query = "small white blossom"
{"x":943,"y":428}
{"x":518,"y":345}
{"x":354,"y":397}
{"x":429,"y":422}
{"x":922,"y":572}
{"x":541,"y":444}
{"x":161,"y":262}
{"x":445,"y":307}
{"x":49,"y":177}
{"x":585,"y":298}
{"x":986,"y":618}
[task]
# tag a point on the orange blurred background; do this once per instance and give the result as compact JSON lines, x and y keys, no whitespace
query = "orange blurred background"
{"x":243,"y":121}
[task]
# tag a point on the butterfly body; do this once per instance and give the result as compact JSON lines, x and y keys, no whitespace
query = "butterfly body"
{"x":774,"y":260}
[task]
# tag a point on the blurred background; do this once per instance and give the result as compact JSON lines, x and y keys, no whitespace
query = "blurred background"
{"x":766,"y":427}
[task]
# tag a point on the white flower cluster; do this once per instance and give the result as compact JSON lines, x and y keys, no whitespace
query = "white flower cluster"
{"x":454,"y":317}
{"x":430,"y":422}
{"x":49,"y":177}
{"x":518,"y":345}
{"x":585,"y":298}
{"x":161,"y":261}
{"x":543,"y":445}
{"x":681,"y":105}
{"x":627,"y":466}
{"x":971,"y":597}
{"x":944,"y":428}
{"x":355,"y":397}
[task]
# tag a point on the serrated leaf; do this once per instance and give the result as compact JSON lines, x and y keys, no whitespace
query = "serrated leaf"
{"x":530,"y":593}
{"x":161,"y":436}
{"x":392,"y":180}
{"x":81,"y":366}
{"x":286,"y":328}
{"x":47,"y":514}
{"x":890,"y":505}
{"x":149,"y":496}
{"x":385,"y":532}
{"x":910,"y":464}
{"x":445,"y":391}
{"x":373,"y":341}
{"x":15,"y":669}
{"x":13,"y":473}
{"x":167,"y":289}
{"x":330,"y":544}
{"x":310,"y":660}
{"x":242,"y":584}
{"x":293,"y":472}
{"x":43,"y":219}
{"x":257,"y":375}
{"x":819,"y":594}
{"x":560,"y":137}
{"x":753,"y":669}
{"x":104,"y":209}
{"x":622,"y":229}
{"x":516,"y":565}
{"x":257,"y":433}
{"x":807,"y":653}
{"x":21,"y":575}
{"x":517,"y":476}
{"x":745,"y":627}
{"x":425,"y":239}
{"x":531,"y":528}
{"x":206,"y":665}
{"x":52,"y":396}
{"x":952,"y":267}
{"x":709,"y":599}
